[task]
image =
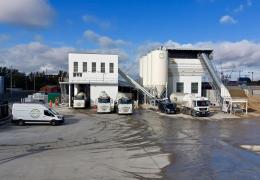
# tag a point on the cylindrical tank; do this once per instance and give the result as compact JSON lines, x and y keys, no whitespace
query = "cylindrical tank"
{"x":141,"y":69}
{"x":149,"y":70}
{"x":178,"y":98}
{"x":145,"y":71}
{"x":159,"y":72}
{"x":181,"y":98}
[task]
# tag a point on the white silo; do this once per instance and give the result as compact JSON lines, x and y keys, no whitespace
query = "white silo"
{"x":159,"y":73}
{"x":149,"y":70}
{"x":145,"y":75}
{"x":141,"y":70}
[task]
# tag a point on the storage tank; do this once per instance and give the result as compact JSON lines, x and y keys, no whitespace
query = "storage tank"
{"x":159,"y":71}
{"x":149,"y":70}
{"x":145,"y":71}
{"x":141,"y":69}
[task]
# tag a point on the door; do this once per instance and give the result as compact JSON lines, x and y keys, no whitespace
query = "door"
{"x":48,"y":116}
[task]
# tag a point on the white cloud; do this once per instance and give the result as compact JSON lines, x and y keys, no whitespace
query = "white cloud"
{"x":227,"y":19}
{"x":103,"y":41}
{"x":35,"y":57}
{"x":90,"y":19}
{"x":26,"y":13}
{"x":244,"y":5}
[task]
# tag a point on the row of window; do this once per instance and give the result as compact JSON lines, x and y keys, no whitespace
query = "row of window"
{"x":180,"y":87}
{"x":93,"y":67}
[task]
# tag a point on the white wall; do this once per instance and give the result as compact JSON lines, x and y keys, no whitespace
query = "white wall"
{"x":95,"y":90}
{"x":187,"y":80}
{"x":97,"y":77}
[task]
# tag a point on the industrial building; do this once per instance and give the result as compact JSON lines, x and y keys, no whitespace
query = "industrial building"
{"x":167,"y":70}
{"x":92,"y":74}
{"x":180,"y":70}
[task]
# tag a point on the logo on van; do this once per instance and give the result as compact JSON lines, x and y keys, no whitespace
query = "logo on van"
{"x":35,"y":113}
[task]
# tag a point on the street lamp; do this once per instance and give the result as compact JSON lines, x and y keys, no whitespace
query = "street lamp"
{"x":252,"y":75}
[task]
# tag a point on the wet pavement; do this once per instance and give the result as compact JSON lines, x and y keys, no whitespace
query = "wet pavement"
{"x":202,"y":149}
{"x":145,"y":145}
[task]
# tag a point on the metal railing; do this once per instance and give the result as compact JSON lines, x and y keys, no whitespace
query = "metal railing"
{"x":135,"y":84}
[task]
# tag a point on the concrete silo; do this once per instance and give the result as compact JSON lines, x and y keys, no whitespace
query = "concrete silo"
{"x":149,"y":70}
{"x":141,"y":70}
{"x":145,"y":71}
{"x":159,"y":71}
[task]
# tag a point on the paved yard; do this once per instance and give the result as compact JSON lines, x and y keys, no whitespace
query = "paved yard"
{"x":145,"y":145}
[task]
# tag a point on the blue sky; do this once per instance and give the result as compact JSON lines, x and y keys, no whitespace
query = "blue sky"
{"x":41,"y":32}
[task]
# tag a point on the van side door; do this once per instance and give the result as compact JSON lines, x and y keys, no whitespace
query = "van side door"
{"x":47,"y":115}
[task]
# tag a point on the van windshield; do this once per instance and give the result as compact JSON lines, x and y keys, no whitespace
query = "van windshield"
{"x":124,"y":101}
{"x":53,"y":111}
{"x":202,"y":103}
{"x":170,"y":106}
{"x":104,"y":100}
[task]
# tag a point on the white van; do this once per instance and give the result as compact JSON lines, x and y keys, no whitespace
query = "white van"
{"x":35,"y":113}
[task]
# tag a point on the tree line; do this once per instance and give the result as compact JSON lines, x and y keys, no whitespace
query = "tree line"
{"x":31,"y":81}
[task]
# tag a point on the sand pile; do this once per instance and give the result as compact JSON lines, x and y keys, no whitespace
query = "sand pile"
{"x":237,"y":92}
{"x":254,"y":102}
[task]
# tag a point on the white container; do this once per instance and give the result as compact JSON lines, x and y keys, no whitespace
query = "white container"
{"x":141,"y":70}
{"x":149,"y":70}
{"x":159,"y":73}
{"x":145,"y":70}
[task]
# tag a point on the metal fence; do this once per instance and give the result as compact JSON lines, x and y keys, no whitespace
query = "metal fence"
{"x":4,"y":109}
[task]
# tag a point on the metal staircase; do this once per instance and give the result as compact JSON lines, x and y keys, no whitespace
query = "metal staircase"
{"x":220,"y":89}
{"x":135,"y":84}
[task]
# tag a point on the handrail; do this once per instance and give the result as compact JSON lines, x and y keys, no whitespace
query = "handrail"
{"x":135,"y":84}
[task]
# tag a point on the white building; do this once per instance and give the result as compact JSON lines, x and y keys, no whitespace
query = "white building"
{"x":177,"y":70}
{"x":91,"y":74}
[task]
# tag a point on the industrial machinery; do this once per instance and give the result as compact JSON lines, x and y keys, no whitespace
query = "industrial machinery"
{"x":124,"y":106}
{"x":190,"y":104}
{"x":79,"y":100}
{"x":104,"y":103}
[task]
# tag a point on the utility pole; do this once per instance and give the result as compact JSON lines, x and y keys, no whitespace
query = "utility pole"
{"x":252,"y":75}
{"x":33,"y":82}
{"x":11,"y":82}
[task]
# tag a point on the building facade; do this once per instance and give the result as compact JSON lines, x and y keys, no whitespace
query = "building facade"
{"x":91,"y":74}
{"x":171,"y":70}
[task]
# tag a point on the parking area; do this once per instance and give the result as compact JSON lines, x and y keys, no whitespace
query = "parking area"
{"x":146,"y":145}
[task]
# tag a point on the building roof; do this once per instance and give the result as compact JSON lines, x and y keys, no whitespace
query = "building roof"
{"x":180,"y":51}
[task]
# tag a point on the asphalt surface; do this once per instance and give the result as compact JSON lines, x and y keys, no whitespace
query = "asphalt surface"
{"x":145,"y":145}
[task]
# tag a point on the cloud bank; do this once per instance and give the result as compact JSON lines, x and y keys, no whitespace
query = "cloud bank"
{"x":26,"y":13}
{"x":35,"y":56}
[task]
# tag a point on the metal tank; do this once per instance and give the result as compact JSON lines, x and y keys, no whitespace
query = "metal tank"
{"x":159,"y":71}
{"x":141,"y":70}
{"x":149,"y":69}
{"x":145,"y":70}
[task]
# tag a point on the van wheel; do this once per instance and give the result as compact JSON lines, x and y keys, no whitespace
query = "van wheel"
{"x":53,"y":123}
{"x":20,"y":123}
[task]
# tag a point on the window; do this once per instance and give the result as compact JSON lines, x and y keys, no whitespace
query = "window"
{"x":179,"y":87}
{"x":194,"y":88}
{"x":111,"y":67}
{"x":48,"y":113}
{"x":103,"y":68}
{"x":77,"y":74}
{"x":75,"y":67}
{"x":94,"y":67}
{"x":85,"y":67}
